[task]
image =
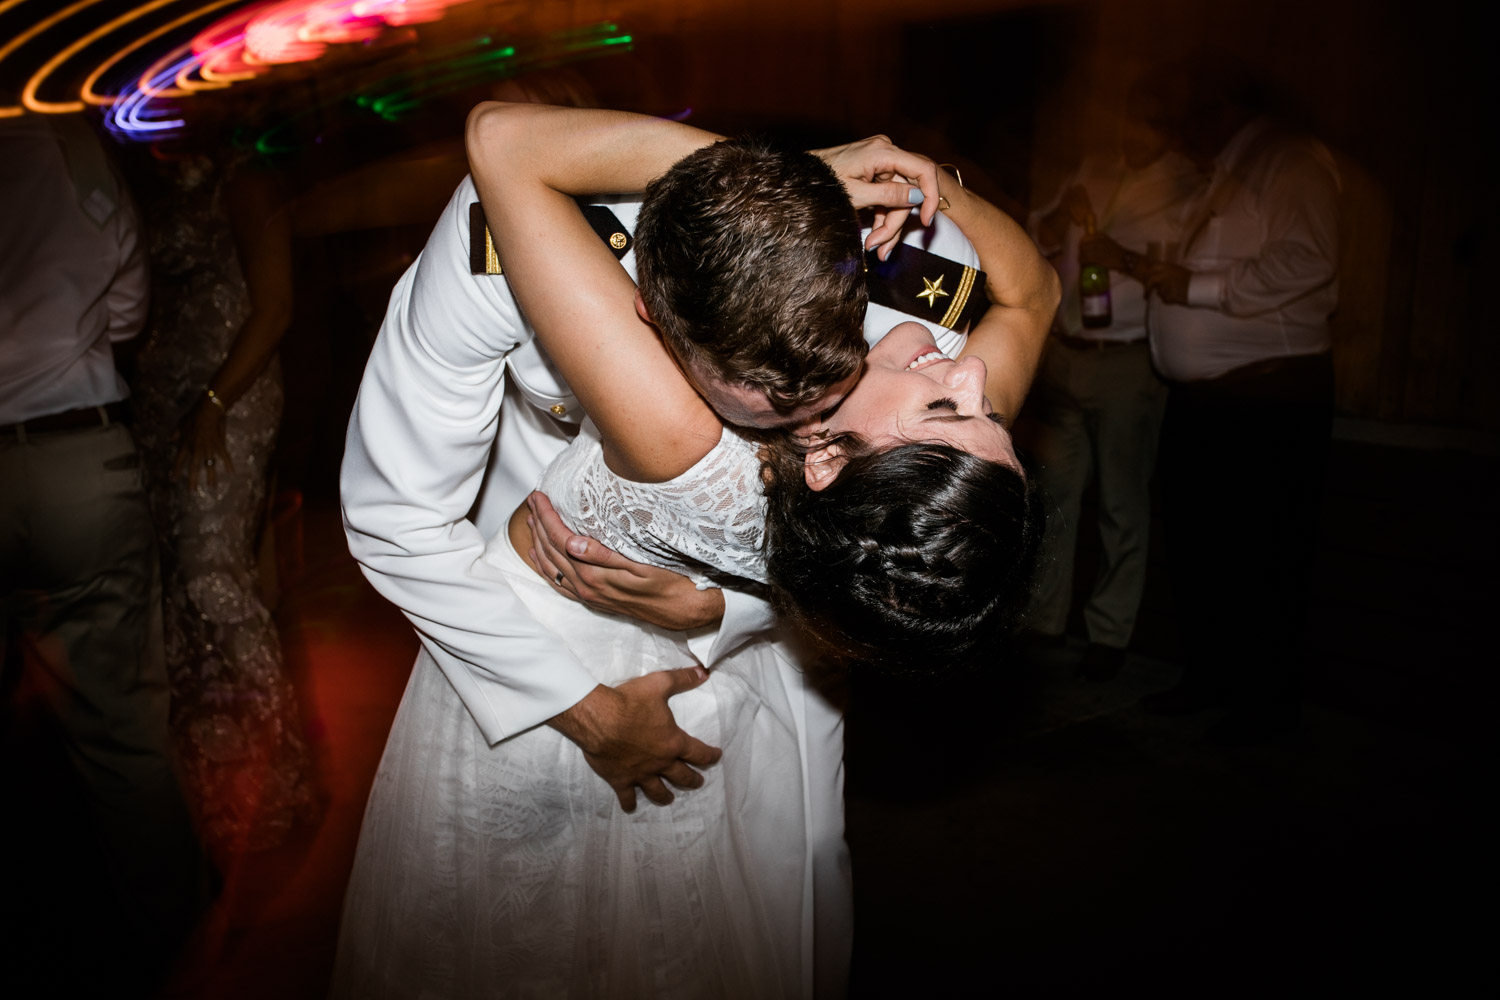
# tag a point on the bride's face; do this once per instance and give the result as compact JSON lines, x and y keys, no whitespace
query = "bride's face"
{"x":911,"y":392}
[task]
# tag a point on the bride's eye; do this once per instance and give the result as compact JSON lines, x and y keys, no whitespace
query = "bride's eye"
{"x":943,"y":404}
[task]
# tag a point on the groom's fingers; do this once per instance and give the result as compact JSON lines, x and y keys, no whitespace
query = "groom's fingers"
{"x":700,"y":754}
{"x":656,"y":791}
{"x":679,"y":680}
{"x":682,"y":776}
{"x":560,"y":551}
{"x":546,"y":553}
{"x":694,"y":750}
{"x":561,"y":544}
{"x":626,"y":795}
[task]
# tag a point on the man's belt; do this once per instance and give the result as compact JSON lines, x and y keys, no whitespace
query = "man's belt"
{"x":69,"y":420}
{"x":911,"y":280}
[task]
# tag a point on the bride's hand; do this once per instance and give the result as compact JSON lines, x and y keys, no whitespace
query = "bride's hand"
{"x":579,"y":567}
{"x":879,"y":174}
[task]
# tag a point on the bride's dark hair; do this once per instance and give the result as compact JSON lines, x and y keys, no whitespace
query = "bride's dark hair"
{"x":913,"y":560}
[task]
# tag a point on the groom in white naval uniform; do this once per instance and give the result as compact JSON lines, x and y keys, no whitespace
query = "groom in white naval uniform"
{"x":431,"y":471}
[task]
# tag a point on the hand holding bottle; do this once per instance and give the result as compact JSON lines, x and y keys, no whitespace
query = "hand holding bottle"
{"x":1100,"y":249}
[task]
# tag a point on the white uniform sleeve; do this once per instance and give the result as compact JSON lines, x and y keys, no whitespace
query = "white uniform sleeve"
{"x":745,"y":618}
{"x":419,"y":440}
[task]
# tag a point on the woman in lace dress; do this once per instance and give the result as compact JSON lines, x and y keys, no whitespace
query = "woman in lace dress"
{"x":510,"y":870}
{"x":207,"y":405}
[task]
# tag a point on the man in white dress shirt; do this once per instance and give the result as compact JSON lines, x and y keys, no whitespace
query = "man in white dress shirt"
{"x":1240,"y":332}
{"x":431,"y":470}
{"x":1098,"y":403}
{"x":80,"y":595}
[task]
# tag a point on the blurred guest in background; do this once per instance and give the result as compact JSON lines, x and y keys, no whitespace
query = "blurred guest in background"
{"x":207,"y":406}
{"x":1239,"y":328}
{"x":80,"y":594}
{"x":1097,"y":402}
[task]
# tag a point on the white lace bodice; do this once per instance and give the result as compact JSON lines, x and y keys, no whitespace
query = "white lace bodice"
{"x":707,"y":523}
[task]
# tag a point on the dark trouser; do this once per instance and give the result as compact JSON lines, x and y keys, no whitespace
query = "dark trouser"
{"x":1243,"y":460}
{"x":80,"y":600}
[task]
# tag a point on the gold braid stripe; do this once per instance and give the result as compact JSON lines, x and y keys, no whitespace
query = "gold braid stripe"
{"x":491,"y":258}
{"x":960,"y":298}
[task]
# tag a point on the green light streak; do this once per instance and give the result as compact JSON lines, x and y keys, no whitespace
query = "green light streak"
{"x":457,"y":67}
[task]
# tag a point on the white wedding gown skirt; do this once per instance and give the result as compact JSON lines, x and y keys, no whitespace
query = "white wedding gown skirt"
{"x":511,"y":871}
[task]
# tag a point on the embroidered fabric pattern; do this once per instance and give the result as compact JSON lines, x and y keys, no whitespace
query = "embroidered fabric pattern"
{"x":708,"y":523}
{"x":235,"y":721}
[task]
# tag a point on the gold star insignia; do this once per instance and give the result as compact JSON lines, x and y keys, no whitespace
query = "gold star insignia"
{"x":933,"y":290}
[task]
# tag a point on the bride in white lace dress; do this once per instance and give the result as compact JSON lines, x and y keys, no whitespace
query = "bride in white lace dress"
{"x":511,"y":870}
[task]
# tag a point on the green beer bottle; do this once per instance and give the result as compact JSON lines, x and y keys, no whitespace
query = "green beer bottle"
{"x":1093,"y":288}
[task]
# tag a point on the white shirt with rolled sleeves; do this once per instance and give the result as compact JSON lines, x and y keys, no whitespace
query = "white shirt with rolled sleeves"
{"x":73,"y":278}
{"x":1263,"y":248}
{"x":431,"y":470}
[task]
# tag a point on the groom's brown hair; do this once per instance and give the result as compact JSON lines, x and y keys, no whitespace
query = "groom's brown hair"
{"x":751,"y":266}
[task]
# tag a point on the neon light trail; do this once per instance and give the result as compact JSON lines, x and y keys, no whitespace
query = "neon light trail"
{"x":455,"y":68}
{"x":244,"y":44}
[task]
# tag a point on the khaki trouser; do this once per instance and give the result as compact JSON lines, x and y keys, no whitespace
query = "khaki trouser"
{"x":1100,"y":413}
{"x":80,"y":600}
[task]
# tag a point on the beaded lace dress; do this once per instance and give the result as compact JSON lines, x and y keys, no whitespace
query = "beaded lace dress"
{"x":512,"y":871}
{"x":708,"y":523}
{"x":234,"y":714}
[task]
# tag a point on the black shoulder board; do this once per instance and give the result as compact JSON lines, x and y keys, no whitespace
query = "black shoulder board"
{"x":927,"y":286}
{"x":609,"y":229}
{"x":484,"y":260}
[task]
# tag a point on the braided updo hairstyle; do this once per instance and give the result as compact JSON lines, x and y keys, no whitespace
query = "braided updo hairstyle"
{"x":912,"y":561}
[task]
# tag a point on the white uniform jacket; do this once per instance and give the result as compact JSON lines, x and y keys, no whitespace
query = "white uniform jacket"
{"x":431,"y":471}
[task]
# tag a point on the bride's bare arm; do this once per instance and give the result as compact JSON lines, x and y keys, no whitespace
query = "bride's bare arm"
{"x":1023,"y":291}
{"x":527,"y":162}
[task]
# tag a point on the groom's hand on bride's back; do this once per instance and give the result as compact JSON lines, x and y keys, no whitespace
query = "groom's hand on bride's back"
{"x":631,"y":739}
{"x":580,"y":568}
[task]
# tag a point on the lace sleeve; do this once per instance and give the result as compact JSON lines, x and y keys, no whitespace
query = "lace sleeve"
{"x":708,"y":523}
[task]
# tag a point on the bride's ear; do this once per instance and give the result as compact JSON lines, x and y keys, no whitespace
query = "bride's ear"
{"x":821,"y":465}
{"x":640,"y":308}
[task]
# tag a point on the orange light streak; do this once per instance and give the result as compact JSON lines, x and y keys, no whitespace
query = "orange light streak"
{"x":291,"y":30}
{"x":88,"y":93}
{"x":185,"y":81}
{"x":11,"y":111}
{"x":208,"y":73}
{"x":28,"y":95}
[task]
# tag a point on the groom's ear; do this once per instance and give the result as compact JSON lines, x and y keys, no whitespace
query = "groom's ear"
{"x":821,"y":465}
{"x":641,"y":310}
